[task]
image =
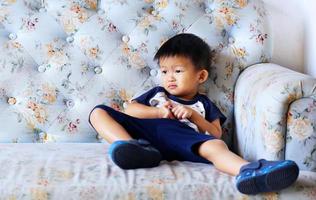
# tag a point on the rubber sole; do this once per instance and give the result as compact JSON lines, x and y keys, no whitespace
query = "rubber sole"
{"x":274,"y":180}
{"x":132,"y":156}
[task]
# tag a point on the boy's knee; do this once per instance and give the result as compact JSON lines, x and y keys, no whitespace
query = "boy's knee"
{"x":95,"y":113}
{"x":212,"y":146}
{"x":218,"y":143}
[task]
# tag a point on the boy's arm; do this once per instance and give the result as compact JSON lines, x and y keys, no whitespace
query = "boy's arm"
{"x":142,"y":111}
{"x":203,"y":125}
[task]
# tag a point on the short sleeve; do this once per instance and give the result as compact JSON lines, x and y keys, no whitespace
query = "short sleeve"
{"x":212,"y":112}
{"x":144,"y":98}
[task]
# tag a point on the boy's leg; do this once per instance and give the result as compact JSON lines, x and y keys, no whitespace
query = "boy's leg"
{"x":121,"y":131}
{"x":184,"y":143}
{"x":107,"y":127}
{"x":252,"y":177}
{"x":223,"y":159}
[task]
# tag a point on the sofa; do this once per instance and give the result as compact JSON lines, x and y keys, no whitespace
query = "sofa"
{"x":59,"y":59}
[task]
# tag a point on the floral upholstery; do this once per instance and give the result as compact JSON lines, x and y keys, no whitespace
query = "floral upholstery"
{"x":61,"y":58}
{"x":275,"y":113}
{"x":81,"y":171}
{"x":301,"y":133}
{"x":58,"y":59}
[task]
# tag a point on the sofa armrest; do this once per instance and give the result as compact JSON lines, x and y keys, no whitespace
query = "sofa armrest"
{"x":263,"y":94}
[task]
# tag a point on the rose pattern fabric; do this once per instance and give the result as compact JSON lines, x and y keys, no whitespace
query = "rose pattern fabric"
{"x":83,"y":171}
{"x":96,"y":52}
{"x":275,"y":111}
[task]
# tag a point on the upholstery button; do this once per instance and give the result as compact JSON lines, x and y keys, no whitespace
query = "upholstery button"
{"x":100,"y":11}
{"x":125,"y":38}
{"x":11,"y":100}
{"x":208,"y":10}
{"x":98,"y":137}
{"x":12,"y":36}
{"x":70,"y":39}
{"x":42,"y":10}
{"x":69,"y":103}
{"x":41,"y":136}
{"x":98,"y":70}
{"x":39,"y":92}
{"x":41,"y":68}
{"x":231,"y":40}
{"x":153,"y":72}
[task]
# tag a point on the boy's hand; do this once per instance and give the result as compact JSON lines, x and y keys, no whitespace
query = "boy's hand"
{"x":165,"y":111}
{"x":181,"y":111}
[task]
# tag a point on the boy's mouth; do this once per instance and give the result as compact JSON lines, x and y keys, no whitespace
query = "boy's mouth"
{"x":172,"y":86}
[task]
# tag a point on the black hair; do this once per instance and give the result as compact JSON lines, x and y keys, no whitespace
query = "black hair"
{"x":187,"y":45}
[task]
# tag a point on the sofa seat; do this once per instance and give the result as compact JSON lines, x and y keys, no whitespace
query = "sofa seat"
{"x":85,"y":171}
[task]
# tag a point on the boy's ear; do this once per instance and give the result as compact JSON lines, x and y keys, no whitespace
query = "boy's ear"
{"x":203,"y":75}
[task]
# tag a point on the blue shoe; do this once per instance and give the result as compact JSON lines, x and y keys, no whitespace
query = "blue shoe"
{"x":266,"y":176}
{"x":133,"y":154}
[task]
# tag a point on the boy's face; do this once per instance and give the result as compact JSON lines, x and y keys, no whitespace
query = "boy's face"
{"x":179,"y":76}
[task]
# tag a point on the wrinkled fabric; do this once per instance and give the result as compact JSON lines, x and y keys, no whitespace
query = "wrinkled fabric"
{"x":85,"y":171}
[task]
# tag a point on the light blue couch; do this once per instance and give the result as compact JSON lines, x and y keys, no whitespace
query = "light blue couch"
{"x":58,"y":59}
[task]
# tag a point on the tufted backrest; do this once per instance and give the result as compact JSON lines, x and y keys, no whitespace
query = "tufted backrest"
{"x":61,"y":58}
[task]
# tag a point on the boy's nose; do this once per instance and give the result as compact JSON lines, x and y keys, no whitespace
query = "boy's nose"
{"x":171,"y":78}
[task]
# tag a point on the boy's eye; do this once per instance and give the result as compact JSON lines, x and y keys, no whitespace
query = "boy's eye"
{"x":163,"y":71}
{"x":178,"y":71}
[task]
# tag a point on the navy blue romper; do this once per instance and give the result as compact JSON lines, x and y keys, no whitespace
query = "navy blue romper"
{"x":174,"y":139}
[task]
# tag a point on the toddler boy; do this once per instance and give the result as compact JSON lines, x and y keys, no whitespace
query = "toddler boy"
{"x":175,"y":122}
